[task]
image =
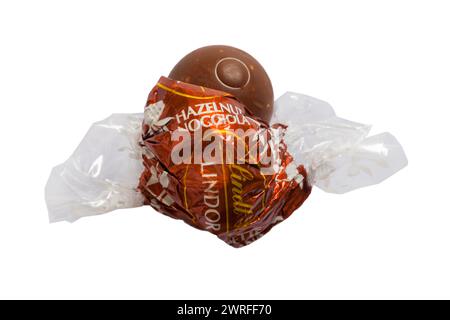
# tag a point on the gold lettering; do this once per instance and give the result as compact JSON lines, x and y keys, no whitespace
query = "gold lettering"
{"x":239,"y":175}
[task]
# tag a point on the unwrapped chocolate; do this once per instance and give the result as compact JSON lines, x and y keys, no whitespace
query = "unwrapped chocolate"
{"x":231,"y":70}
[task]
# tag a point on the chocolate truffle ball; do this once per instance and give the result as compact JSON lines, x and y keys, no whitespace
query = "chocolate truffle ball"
{"x":231,"y":70}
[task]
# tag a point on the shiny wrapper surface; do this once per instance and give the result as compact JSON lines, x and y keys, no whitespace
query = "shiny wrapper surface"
{"x":210,"y":165}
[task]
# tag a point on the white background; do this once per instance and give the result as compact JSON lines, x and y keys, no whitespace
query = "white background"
{"x":66,"y":64}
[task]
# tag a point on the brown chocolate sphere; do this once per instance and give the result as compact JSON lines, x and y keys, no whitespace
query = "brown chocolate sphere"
{"x":231,"y":70}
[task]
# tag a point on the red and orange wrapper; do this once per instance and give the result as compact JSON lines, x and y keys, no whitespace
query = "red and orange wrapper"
{"x":235,"y":195}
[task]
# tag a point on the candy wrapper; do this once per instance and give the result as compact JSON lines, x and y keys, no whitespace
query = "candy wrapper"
{"x":198,"y":155}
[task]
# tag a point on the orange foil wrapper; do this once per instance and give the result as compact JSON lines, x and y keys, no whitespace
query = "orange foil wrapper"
{"x":211,"y":165}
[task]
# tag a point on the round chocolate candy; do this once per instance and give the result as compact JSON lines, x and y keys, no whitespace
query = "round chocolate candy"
{"x":231,"y":70}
